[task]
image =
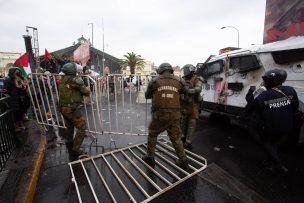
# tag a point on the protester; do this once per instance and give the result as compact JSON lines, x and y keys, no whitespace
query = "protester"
{"x":16,"y":87}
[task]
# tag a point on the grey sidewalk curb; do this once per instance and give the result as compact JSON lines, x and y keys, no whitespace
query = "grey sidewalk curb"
{"x":29,"y":182}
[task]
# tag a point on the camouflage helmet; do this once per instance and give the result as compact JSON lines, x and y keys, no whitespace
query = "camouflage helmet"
{"x":188,"y":69}
{"x":164,"y":66}
{"x":275,"y":76}
{"x":69,"y":69}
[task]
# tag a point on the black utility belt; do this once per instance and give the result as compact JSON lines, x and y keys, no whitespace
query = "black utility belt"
{"x":155,"y":109}
{"x":72,"y":105}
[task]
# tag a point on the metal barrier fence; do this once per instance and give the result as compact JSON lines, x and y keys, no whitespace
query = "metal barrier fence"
{"x":116,"y":105}
{"x":7,"y":132}
{"x":124,"y":107}
{"x":122,"y":176}
{"x":44,"y":97}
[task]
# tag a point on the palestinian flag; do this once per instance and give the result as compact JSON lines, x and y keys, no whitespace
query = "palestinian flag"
{"x":23,"y":64}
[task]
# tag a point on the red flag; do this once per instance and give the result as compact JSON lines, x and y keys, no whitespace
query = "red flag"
{"x":46,"y":55}
{"x":82,"y":53}
{"x":23,"y":60}
{"x":23,"y":64}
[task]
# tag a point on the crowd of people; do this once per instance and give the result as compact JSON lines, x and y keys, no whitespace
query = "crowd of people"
{"x":41,"y":87}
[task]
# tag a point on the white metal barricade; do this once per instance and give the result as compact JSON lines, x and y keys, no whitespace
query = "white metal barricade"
{"x":43,"y":92}
{"x":122,"y":176}
{"x":124,"y":107}
{"x":116,"y":106}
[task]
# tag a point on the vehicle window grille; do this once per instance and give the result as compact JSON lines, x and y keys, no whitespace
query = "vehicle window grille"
{"x":244,"y":63}
{"x":288,"y":56}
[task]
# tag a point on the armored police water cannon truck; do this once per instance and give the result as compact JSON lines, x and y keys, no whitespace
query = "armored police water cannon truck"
{"x":230,"y":75}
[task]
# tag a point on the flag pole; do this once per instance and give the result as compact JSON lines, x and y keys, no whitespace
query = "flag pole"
{"x":103,"y":59}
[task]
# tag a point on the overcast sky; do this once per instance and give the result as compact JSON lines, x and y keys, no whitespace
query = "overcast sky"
{"x":175,"y":31}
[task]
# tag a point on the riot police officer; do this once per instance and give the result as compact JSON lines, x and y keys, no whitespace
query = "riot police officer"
{"x":165,"y":93}
{"x":71,"y":92}
{"x":190,"y":103}
{"x":276,"y":107}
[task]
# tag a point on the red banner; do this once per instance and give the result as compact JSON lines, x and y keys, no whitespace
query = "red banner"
{"x":46,"y":55}
{"x":82,"y":53}
{"x":283,"y":19}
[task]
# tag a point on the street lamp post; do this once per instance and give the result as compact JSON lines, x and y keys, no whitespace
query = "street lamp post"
{"x":103,"y":59}
{"x":92,"y":32}
{"x":237,"y":33}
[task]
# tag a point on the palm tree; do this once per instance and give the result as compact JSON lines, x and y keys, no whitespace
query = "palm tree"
{"x":134,"y":61}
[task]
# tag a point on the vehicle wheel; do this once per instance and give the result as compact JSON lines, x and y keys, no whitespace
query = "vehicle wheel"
{"x":214,"y":117}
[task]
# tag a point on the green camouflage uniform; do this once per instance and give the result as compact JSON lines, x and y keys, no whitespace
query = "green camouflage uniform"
{"x":165,"y":93}
{"x":190,"y":106}
{"x":71,"y":92}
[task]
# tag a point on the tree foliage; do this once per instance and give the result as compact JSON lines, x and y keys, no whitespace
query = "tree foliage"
{"x":134,"y":61}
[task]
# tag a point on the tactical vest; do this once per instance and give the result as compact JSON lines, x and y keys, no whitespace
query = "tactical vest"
{"x":194,"y":97}
{"x":277,"y":110}
{"x":166,"y":94}
{"x":69,"y":96}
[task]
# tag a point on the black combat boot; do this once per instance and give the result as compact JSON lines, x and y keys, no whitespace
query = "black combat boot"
{"x":77,"y":154}
{"x":183,"y":164}
{"x":187,"y":145}
{"x":69,"y":145}
{"x":183,"y":139}
{"x":149,"y":160}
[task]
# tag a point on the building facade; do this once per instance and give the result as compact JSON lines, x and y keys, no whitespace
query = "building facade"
{"x":177,"y":71}
{"x":7,"y":59}
{"x":148,"y":69}
{"x":100,"y":62}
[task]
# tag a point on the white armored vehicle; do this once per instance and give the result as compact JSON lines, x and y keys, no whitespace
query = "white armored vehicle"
{"x":230,"y":75}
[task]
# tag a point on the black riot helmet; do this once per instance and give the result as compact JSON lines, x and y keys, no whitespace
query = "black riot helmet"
{"x":188,"y":70}
{"x":274,"y":77}
{"x":163,"y":67}
{"x":69,"y":69}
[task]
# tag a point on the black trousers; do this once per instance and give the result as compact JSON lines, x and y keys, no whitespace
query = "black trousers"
{"x":271,"y":144}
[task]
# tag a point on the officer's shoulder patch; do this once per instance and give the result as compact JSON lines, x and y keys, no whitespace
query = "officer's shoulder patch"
{"x":78,"y":81}
{"x":153,"y":80}
{"x":175,"y":77}
{"x":179,"y":79}
{"x":200,"y":78}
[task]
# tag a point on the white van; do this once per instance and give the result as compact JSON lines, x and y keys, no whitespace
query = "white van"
{"x":230,"y":75}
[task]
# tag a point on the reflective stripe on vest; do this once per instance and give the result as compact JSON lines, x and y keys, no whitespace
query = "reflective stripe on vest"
{"x":166,"y":94}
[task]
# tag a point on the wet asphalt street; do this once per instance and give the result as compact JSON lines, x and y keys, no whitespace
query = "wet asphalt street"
{"x":227,"y":146}
{"x":233,"y":150}
{"x":234,"y":174}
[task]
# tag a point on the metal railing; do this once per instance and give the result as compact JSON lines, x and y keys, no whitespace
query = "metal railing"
{"x":116,"y":104}
{"x":7,"y":131}
{"x":122,"y":176}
